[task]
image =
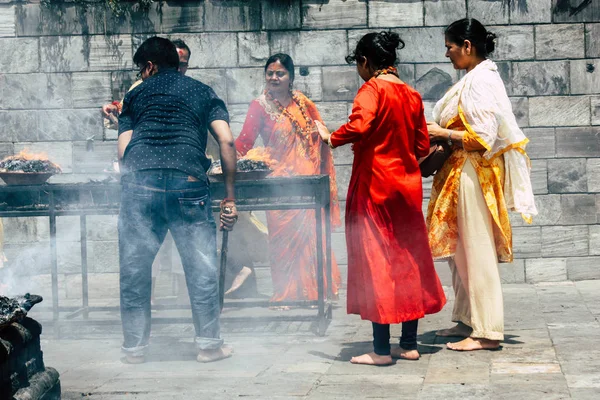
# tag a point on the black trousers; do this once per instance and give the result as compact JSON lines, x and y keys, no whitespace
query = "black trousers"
{"x":381,"y":337}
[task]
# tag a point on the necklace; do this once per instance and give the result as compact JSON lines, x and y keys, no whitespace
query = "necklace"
{"x":386,"y":71}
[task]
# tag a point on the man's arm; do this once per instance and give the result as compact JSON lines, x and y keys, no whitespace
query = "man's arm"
{"x":219,"y":129}
{"x":122,"y":143}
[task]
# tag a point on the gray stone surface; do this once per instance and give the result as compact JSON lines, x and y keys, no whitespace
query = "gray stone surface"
{"x":540,"y":78}
{"x":145,"y":20}
{"x":595,"y":107}
{"x":311,"y":47}
{"x":567,"y":176}
{"x":533,"y":11}
{"x":333,"y":14}
{"x":7,"y":21}
{"x":527,"y":242}
{"x":182,"y":16}
{"x":559,"y":41}
{"x":520,"y":107}
{"x":592,"y":46}
{"x":64,"y":53}
{"x":89,"y":90}
{"x":24,"y":55}
{"x":572,"y":11}
{"x":93,"y":161}
{"x":205,"y":45}
{"x":67,"y":125}
{"x":585,"y":76}
{"x":110,"y":52}
{"x":223,"y":16}
{"x":578,"y":142}
{"x":106,"y":256}
{"x":581,"y":268}
{"x":334,"y":114}
{"x":539,"y":176}
{"x":17,"y":124}
{"x":593,"y":175}
{"x":312,"y":84}
{"x":38,"y":91}
{"x":340,"y":83}
{"x":253,"y":49}
{"x":488,"y":12}
{"x":578,"y":209}
{"x":594,"y":240}
{"x":215,"y":78}
{"x":443,"y":12}
{"x":59,"y":19}
{"x":281,"y":14}
{"x":393,"y":13}
{"x":514,"y":42}
{"x":542,"y":142}
{"x":564,"y":241}
{"x":433,"y":80}
{"x":559,"y":111}
{"x":244,"y":85}
{"x":513,"y":272}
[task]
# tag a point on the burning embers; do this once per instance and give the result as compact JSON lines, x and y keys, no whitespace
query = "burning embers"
{"x":29,"y":163}
{"x":256,"y":160}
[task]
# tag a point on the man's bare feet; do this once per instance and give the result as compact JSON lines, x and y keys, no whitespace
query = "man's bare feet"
{"x":470,"y":344}
{"x":279,"y":308}
{"x":372,"y":359}
{"x":460,"y":330}
{"x":205,"y":356}
{"x":405,"y":354}
{"x":131,"y":359}
{"x":239,"y":279}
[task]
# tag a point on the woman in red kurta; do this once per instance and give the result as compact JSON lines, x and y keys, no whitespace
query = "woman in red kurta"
{"x":284,"y":120}
{"x":391,"y":277}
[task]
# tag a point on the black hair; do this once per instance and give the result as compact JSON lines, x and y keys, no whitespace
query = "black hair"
{"x":285,"y":60}
{"x":160,"y":51}
{"x":180,"y":44}
{"x":472,"y":30}
{"x":379,"y":48}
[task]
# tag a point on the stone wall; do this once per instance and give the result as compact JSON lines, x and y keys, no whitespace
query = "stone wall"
{"x":58,"y":64}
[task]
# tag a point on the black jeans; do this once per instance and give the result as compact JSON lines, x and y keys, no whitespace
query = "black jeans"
{"x":153,"y":202}
{"x":381,"y":337}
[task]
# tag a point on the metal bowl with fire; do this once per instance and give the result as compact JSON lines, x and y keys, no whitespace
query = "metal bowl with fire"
{"x":27,"y":169}
{"x":256,"y":164}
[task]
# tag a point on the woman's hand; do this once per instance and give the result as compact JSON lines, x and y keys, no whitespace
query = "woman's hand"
{"x":436,"y":132}
{"x":323,"y":131}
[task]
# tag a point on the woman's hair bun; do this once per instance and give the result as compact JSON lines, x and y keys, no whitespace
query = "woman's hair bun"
{"x":390,"y":41}
{"x":490,"y":42}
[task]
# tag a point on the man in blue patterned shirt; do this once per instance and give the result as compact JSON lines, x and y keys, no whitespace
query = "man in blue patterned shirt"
{"x":163,"y":131}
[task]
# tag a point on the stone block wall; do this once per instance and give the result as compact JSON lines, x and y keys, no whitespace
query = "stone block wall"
{"x":59,"y":64}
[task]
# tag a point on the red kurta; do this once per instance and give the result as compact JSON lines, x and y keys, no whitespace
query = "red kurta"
{"x":391,"y":277}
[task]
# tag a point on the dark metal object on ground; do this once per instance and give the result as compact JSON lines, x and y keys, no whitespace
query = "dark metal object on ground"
{"x":56,"y":200}
{"x":14,"y":309}
{"x":223,"y":268}
{"x":25,"y":178}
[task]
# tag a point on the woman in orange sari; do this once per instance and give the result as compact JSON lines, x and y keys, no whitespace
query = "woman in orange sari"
{"x":285,"y":121}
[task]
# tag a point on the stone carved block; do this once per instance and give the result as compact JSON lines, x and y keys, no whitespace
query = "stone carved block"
{"x":309,"y":84}
{"x":489,"y":12}
{"x":520,"y":107}
{"x":559,"y":41}
{"x":59,"y":19}
{"x":593,"y":175}
{"x":595,"y":110}
{"x":578,"y":142}
{"x":575,"y":11}
{"x":585,"y":76}
{"x":17,"y":125}
{"x":540,"y":78}
{"x":594,"y":240}
{"x":513,"y":272}
{"x":592,"y":45}
{"x":205,"y":46}
{"x":311,"y":47}
{"x":392,"y":13}
{"x":64,"y":53}
{"x":514,"y":43}
{"x":433,"y":80}
{"x":232,"y":15}
{"x":93,"y":161}
{"x":527,"y":242}
{"x":565,"y":241}
{"x":583,"y":268}
{"x":567,"y":176}
{"x":340,"y":83}
{"x":532,"y":11}
{"x":545,"y":270}
{"x":334,"y":115}
{"x":182,"y":16}
{"x":7,"y":22}
{"x":146,"y":20}
{"x":333,"y":14}
{"x":37,"y":91}
{"x":59,"y":125}
{"x":244,"y":85}
{"x":90,"y":90}
{"x":253,"y":49}
{"x":559,"y":111}
{"x":542,"y":142}
{"x":110,"y":52}
{"x":24,"y":55}
{"x":215,"y":78}
{"x":281,"y":14}
{"x":539,"y":176}
{"x":578,"y":209}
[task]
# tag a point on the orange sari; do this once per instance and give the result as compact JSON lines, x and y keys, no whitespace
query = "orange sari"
{"x":299,"y":151}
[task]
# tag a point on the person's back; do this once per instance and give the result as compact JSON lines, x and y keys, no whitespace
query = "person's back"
{"x":170,"y":114}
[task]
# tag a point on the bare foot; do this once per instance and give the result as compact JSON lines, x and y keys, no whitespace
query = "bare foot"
{"x":279,"y":308}
{"x":470,"y":344}
{"x":372,"y":359}
{"x":239,"y":279}
{"x":405,"y":354}
{"x":130,"y":359}
{"x":205,"y":356}
{"x":460,"y":330}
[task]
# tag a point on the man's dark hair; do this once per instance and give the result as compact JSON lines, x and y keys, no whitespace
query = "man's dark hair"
{"x":160,"y":51}
{"x":180,"y":44}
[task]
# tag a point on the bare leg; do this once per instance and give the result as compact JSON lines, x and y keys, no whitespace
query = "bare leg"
{"x":239,"y":280}
{"x":205,"y":356}
{"x":405,"y":354}
{"x":372,"y":359}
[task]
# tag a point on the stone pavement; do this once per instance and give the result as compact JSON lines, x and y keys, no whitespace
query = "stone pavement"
{"x":551,"y":351}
